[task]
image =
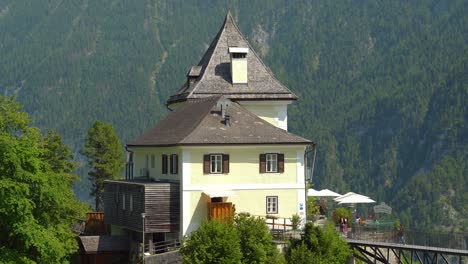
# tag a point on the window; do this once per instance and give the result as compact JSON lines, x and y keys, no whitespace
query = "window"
{"x":123,"y":201}
{"x":215,"y":163}
{"x":174,"y":163}
{"x":271,"y":163}
{"x":272,"y":204}
{"x":239,"y":55}
{"x":131,"y":202}
{"x":152,"y":161}
{"x":147,"y":161}
{"x":164,"y":164}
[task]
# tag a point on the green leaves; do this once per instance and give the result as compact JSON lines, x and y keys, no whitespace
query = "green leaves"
{"x":37,"y":205}
{"x":213,"y":242}
{"x":247,"y":240}
{"x":319,"y":245}
{"x":255,"y":240}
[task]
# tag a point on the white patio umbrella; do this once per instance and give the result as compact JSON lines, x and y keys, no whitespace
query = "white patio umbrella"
{"x":313,"y":192}
{"x":356,"y":199}
{"x":337,"y":199}
{"x":328,"y":193}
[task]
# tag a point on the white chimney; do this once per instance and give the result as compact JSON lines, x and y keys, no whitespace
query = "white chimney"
{"x":238,"y":64}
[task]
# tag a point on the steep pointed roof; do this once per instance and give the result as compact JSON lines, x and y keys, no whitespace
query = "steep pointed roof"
{"x":213,"y":75}
{"x":200,"y":122}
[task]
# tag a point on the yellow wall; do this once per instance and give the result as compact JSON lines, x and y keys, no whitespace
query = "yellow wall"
{"x":244,"y":166}
{"x":251,"y":201}
{"x":139,"y":161}
{"x":239,"y":70}
{"x":265,"y":112}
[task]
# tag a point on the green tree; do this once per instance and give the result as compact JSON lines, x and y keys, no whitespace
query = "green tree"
{"x":256,"y":242}
{"x":105,"y":157}
{"x":319,"y":245}
{"x":37,"y":204}
{"x":213,"y":242}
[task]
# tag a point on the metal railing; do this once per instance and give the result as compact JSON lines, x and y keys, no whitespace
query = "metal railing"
{"x":453,"y":240}
{"x":162,"y":246}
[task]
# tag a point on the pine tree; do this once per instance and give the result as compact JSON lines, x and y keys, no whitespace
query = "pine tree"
{"x":105,"y":157}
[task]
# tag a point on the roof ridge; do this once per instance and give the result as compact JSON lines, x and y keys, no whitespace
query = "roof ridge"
{"x":199,"y":121}
{"x":270,"y":72}
{"x":230,"y":19}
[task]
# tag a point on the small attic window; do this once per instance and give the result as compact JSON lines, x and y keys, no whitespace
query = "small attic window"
{"x":239,"y":55}
{"x":238,"y":65}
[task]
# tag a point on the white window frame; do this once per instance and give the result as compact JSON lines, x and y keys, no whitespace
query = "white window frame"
{"x":217,"y":168}
{"x":123,"y":201}
{"x":271,"y":162}
{"x":272,"y":204}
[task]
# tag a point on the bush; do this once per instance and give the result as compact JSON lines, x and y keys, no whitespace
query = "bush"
{"x":319,"y":245}
{"x":295,"y":221}
{"x":248,"y":240}
{"x":213,"y":242}
{"x":256,"y":242}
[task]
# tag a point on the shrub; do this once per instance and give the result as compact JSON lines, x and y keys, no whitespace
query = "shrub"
{"x":256,"y":242}
{"x":295,"y":221}
{"x":319,"y":245}
{"x":213,"y":242}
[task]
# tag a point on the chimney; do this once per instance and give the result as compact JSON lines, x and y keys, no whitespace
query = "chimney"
{"x":227,"y":120}
{"x":238,"y":65}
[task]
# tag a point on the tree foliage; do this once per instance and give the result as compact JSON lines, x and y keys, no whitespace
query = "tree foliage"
{"x":319,"y":245}
{"x":247,"y":239}
{"x":37,"y":204}
{"x":213,"y":242}
{"x":256,"y":241}
{"x":105,"y":157}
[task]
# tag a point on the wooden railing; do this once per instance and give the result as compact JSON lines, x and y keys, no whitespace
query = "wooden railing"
{"x":221,"y":211}
{"x":95,"y":224}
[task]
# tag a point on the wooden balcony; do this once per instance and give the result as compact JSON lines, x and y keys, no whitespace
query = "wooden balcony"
{"x":125,"y":201}
{"x":221,"y":211}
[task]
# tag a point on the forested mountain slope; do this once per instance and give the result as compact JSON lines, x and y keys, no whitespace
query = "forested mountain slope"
{"x":382,"y":84}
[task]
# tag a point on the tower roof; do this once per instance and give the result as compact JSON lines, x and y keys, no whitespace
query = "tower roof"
{"x":213,"y":76}
{"x":203,"y":122}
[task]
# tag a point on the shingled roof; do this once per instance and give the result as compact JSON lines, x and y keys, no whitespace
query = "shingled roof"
{"x":94,"y":244}
{"x":200,"y":122}
{"x":214,"y":76}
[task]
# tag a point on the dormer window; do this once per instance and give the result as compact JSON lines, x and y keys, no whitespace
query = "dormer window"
{"x":238,"y":65}
{"x":193,"y":74}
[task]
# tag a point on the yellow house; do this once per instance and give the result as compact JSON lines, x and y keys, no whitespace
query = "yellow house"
{"x":225,"y":143}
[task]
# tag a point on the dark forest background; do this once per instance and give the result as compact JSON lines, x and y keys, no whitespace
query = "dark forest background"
{"x":383,"y":85}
